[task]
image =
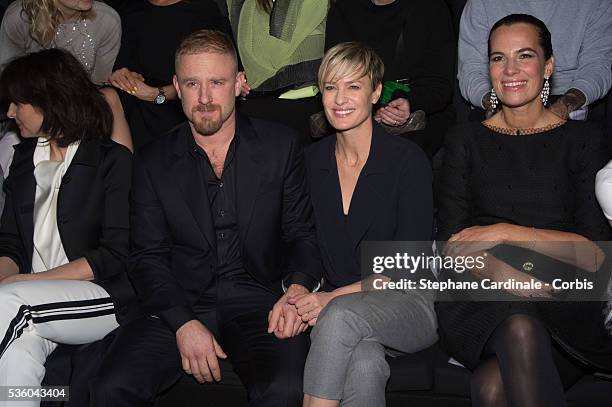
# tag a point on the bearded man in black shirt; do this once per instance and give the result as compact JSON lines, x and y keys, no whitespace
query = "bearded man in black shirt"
{"x":221,"y":222}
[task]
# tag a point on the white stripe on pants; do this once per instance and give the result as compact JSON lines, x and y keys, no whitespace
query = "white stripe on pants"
{"x":37,"y":315}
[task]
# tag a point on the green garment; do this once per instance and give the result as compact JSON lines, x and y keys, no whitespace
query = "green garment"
{"x":294,"y":33}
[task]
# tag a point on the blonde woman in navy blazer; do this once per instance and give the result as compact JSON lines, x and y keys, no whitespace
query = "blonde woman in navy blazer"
{"x":365,"y":185}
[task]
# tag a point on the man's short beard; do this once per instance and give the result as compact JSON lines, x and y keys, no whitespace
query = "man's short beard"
{"x":208,"y":127}
{"x":205,"y":126}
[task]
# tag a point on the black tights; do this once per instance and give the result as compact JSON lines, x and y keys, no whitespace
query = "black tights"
{"x":520,"y":370}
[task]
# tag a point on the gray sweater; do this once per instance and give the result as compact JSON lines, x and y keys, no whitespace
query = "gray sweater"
{"x":95,"y":43}
{"x":581,"y":38}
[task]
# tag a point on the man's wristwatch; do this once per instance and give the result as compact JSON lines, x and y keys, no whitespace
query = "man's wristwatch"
{"x":161,"y":96}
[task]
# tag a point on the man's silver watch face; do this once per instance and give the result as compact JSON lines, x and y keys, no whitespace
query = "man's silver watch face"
{"x":159,"y":99}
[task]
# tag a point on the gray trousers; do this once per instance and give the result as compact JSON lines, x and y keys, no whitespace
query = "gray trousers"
{"x":353,"y":333}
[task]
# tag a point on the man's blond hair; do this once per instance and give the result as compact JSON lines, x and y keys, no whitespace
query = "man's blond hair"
{"x":201,"y":41}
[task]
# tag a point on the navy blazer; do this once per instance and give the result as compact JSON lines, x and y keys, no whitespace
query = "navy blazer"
{"x":392,"y":201}
{"x":174,"y":254}
{"x":92,"y":213}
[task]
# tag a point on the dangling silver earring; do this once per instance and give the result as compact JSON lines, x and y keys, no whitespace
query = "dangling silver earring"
{"x":493,"y":99}
{"x":545,"y":91}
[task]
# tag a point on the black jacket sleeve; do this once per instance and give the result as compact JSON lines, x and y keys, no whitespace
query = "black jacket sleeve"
{"x":149,"y":265}
{"x":108,"y":259}
{"x":304,"y":264}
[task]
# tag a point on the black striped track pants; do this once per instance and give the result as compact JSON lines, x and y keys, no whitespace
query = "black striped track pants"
{"x":37,"y":315}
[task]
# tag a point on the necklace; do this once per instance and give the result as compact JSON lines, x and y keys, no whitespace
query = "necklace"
{"x":523,"y":132}
{"x":76,"y":38}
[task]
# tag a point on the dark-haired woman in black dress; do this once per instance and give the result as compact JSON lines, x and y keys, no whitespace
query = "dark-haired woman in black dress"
{"x":521,"y":176}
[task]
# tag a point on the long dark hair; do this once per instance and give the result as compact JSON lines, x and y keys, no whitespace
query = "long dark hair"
{"x":57,"y":84}
{"x":544,"y":37}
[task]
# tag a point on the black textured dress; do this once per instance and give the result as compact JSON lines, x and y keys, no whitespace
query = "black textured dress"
{"x":545,"y":180}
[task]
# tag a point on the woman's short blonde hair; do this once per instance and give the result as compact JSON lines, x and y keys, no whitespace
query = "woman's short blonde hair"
{"x":351,"y":59}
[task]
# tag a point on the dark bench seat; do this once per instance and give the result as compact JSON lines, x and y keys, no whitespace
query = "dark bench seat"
{"x":424,"y":379}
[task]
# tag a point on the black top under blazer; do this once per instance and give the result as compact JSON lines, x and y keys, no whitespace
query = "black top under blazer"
{"x":92,"y":213}
{"x":391,"y":201}
{"x":174,"y":255}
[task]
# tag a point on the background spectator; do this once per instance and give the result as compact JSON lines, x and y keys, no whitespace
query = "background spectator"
{"x":400,"y":32}
{"x":280,"y":44}
{"x":90,"y":30}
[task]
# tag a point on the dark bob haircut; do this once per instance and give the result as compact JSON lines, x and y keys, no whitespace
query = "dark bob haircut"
{"x":54,"y":82}
{"x":544,"y":38}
